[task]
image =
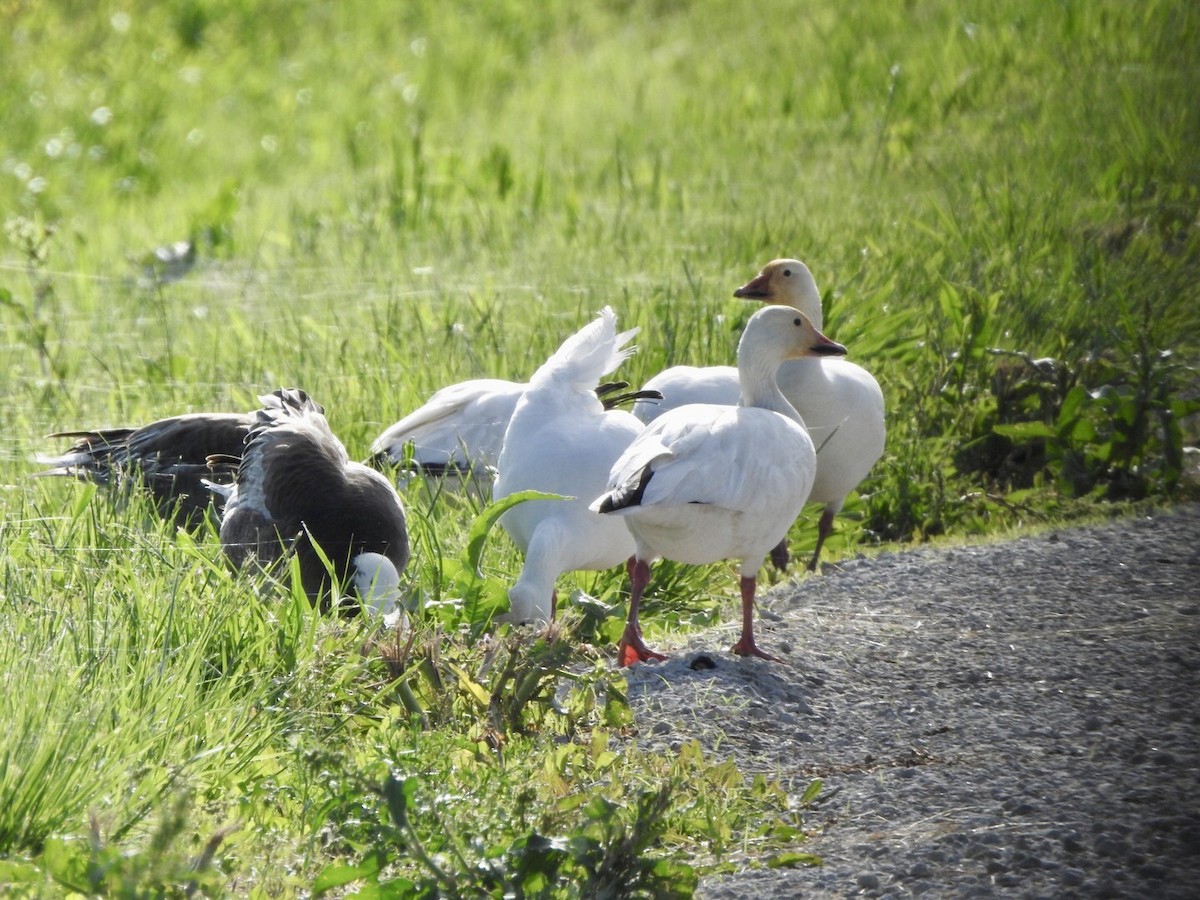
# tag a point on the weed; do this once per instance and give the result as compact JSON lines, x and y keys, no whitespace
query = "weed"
{"x":36,"y":314}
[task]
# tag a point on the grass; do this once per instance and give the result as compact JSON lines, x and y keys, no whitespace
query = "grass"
{"x":385,"y":200}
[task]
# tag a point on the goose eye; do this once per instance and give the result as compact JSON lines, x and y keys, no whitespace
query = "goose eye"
{"x":787,"y":273}
{"x":797,"y":321}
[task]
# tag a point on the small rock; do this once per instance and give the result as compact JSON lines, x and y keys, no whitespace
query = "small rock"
{"x":1152,"y":871}
{"x":868,"y":881}
{"x":980,"y":851}
{"x":1073,"y":877}
{"x":1111,"y":847}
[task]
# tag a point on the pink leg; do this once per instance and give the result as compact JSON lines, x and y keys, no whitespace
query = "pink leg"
{"x":745,"y":645}
{"x":632,"y":648}
{"x":824,"y":527}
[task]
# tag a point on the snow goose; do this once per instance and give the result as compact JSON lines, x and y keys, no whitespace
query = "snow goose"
{"x":458,"y":432}
{"x":172,"y":458}
{"x":562,"y":440}
{"x":297,"y":488}
{"x":704,"y":482}
{"x":841,"y":403}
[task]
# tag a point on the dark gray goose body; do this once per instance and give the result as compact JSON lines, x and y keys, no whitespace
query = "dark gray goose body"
{"x":172,"y":458}
{"x":296,"y":486}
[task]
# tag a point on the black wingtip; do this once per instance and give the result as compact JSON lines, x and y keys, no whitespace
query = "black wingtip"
{"x":628,"y":494}
{"x":608,"y":387}
{"x":630,"y":397}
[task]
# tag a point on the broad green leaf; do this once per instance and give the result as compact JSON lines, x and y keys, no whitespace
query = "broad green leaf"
{"x":1025,"y":431}
{"x":471,"y":686}
{"x":1083,"y":432}
{"x":486,"y":520}
{"x":337,"y":876}
{"x":397,"y":889}
{"x":790,"y":859}
{"x":950,"y":303}
{"x":1073,"y":403}
{"x":811,"y":792}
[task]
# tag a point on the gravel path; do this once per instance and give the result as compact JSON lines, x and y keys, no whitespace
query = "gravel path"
{"x":1020,"y":719}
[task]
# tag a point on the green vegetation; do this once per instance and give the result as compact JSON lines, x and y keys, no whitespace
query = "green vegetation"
{"x":999,"y":201}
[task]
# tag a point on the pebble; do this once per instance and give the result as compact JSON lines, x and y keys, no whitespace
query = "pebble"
{"x":868,"y":881}
{"x":1073,"y":877}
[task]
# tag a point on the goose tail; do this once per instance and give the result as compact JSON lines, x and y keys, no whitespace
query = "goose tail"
{"x":585,"y":357}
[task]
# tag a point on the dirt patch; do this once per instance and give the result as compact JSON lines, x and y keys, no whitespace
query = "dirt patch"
{"x":1017,"y":719}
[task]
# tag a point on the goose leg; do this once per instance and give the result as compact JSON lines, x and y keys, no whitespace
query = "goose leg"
{"x":632,"y":648}
{"x":780,"y":556}
{"x":745,"y":645}
{"x":824,"y":527}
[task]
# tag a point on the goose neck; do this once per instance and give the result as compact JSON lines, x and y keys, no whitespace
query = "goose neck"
{"x":760,"y":385}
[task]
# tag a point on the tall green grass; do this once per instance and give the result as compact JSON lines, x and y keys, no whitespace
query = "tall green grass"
{"x":386,"y":199}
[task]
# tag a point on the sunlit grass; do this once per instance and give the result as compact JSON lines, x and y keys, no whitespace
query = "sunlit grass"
{"x":387,"y":199}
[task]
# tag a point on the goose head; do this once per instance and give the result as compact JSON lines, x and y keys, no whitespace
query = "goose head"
{"x":377,"y":584}
{"x":776,"y":333}
{"x":786,"y":282}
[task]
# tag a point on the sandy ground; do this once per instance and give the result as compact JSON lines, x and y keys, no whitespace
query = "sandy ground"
{"x":1018,"y":719}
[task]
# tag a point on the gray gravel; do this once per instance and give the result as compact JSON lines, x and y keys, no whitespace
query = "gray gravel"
{"x":1018,"y":719}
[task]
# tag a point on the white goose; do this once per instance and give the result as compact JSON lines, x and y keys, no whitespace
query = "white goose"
{"x":562,"y":440}
{"x":459,"y":431}
{"x":841,"y":403}
{"x":704,"y":482}
{"x":296,"y":487}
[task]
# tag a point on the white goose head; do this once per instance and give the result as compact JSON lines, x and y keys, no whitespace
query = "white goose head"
{"x":786,"y":282}
{"x":772,"y":335}
{"x":377,"y":584}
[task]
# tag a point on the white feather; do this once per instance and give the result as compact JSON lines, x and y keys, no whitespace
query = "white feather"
{"x":561,"y":440}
